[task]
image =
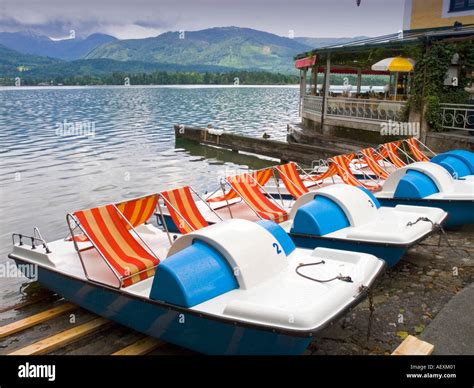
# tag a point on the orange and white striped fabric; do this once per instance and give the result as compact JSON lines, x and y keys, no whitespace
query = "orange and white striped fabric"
{"x":344,"y":172}
{"x":330,"y":172}
{"x":332,"y":169}
{"x":261,"y":176}
{"x":249,"y":191}
{"x":382,"y":152}
{"x":291,"y":179}
{"x":108,"y":231}
{"x":183,"y":210}
{"x":370,"y":159}
{"x":415,"y":150}
{"x":390,"y":150}
{"x":138,"y":211}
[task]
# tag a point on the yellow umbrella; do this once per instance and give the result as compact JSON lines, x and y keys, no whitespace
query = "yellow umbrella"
{"x":397,"y":64}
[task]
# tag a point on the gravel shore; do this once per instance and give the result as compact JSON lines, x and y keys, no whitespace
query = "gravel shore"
{"x":406,"y":298}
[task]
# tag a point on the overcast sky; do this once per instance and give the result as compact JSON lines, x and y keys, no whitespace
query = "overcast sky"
{"x":144,"y":18}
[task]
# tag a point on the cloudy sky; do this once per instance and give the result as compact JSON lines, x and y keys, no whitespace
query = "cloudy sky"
{"x":143,"y":18}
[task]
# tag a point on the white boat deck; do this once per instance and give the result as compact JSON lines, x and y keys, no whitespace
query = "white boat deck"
{"x":385,"y":225}
{"x":276,"y":296}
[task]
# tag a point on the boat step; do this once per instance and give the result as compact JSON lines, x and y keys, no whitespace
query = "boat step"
{"x":412,"y":346}
{"x":61,"y":339}
{"x":36,"y":319}
{"x":141,"y":347}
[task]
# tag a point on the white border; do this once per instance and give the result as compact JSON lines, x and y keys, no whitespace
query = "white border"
{"x":446,"y":14}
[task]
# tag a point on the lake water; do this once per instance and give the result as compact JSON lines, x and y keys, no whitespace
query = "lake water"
{"x":64,"y":149}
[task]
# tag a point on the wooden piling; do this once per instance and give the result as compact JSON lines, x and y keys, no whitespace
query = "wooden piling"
{"x":61,"y":339}
{"x":282,"y":150}
{"x":36,"y":319}
{"x":141,"y":347}
{"x":412,"y":346}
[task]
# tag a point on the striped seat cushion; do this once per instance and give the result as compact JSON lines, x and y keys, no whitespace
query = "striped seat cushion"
{"x":261,"y":176}
{"x":344,"y":172}
{"x":183,"y":210}
{"x":291,"y":179}
{"x":415,"y":150}
{"x":251,"y":194}
{"x":390,"y":151}
{"x":136,"y":211}
{"x":110,"y":234}
{"x":368,"y":156}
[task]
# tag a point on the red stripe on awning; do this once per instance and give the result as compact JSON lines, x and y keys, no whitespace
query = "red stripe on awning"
{"x":305,"y":62}
{"x":350,"y":70}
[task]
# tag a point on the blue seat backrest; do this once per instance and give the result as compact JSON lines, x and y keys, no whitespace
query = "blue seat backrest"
{"x":319,"y":217}
{"x":281,"y":236}
{"x":459,"y":163}
{"x":415,"y":185}
{"x":192,"y":276}
{"x":371,"y":195}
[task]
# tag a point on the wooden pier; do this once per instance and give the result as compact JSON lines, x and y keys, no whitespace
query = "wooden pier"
{"x":58,"y":327}
{"x":282,"y":150}
{"x":89,"y":329}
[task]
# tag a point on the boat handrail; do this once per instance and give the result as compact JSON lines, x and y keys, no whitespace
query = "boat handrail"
{"x":317,"y":164}
{"x":35,"y":238}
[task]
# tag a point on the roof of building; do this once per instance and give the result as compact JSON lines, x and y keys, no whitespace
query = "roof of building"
{"x":400,"y":39}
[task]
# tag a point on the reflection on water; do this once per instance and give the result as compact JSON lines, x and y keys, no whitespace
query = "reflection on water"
{"x":63,"y":149}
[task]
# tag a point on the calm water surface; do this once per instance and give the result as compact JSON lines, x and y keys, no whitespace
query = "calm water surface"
{"x":126,"y":148}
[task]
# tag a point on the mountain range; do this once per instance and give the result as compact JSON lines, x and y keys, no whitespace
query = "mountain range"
{"x":13,"y":63}
{"x":28,"y":42}
{"x":217,"y":49}
{"x":324,"y":42}
{"x":228,"y":46}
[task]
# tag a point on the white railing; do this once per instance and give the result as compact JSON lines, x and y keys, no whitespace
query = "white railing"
{"x":313,"y":104}
{"x":457,"y":116}
{"x":378,"y":110}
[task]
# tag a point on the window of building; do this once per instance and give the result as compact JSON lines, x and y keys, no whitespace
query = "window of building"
{"x":461,"y":5}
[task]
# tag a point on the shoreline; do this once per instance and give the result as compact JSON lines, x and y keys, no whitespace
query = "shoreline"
{"x":162,"y":86}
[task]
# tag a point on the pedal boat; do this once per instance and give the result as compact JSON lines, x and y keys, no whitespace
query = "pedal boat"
{"x":230,"y":288}
{"x":337,"y":216}
{"x":423,"y":184}
{"x":430,"y":185}
{"x":372,"y":166}
{"x":459,"y":163}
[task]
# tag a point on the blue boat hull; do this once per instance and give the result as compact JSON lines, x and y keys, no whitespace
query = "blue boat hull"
{"x":183,"y":328}
{"x":460,"y":212}
{"x":391,"y":254}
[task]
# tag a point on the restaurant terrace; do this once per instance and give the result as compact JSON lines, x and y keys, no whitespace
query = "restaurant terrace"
{"x":359,"y":85}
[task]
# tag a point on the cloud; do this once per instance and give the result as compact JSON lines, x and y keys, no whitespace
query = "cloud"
{"x":131,"y":31}
{"x":55,"y":18}
{"x":142,"y":18}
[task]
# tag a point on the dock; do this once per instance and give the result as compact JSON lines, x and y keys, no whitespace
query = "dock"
{"x":285,"y":151}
